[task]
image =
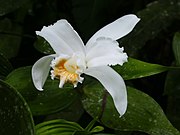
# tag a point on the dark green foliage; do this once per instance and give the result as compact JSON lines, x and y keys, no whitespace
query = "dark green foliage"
{"x":156,"y":18}
{"x":155,"y":39}
{"x":143,"y":113}
{"x":172,"y":86}
{"x":51,"y":100}
{"x":16,"y":117}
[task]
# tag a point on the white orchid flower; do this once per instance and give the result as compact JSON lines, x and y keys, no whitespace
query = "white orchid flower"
{"x":73,"y":58}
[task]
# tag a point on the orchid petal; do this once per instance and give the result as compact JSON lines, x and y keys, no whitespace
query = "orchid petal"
{"x":113,"y":83}
{"x":62,"y":38}
{"x":105,"y":52}
{"x":116,"y":29}
{"x":40,"y":71}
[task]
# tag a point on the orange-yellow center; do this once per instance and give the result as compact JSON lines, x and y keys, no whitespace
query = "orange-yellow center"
{"x":66,"y":71}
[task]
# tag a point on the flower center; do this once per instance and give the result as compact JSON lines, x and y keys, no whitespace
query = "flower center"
{"x":67,"y":70}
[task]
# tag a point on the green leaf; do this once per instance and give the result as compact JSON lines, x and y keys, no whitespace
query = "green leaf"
{"x":97,"y":129}
{"x":91,"y":124}
{"x":137,"y":69}
{"x":15,"y":115}
{"x":5,"y":66}
{"x":57,"y":127}
{"x":7,"y":6}
{"x":71,"y":113}
{"x":176,"y":47}
{"x":157,"y":17}
{"x":172,"y":86}
{"x":143,"y":113}
{"x":10,"y":38}
{"x":51,"y":100}
{"x":43,"y":46}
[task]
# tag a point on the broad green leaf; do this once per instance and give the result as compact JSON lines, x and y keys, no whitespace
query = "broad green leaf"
{"x":9,"y":38}
{"x":172,"y":86}
{"x":7,"y":6}
{"x":72,"y":113}
{"x":176,"y":47}
{"x":156,"y":17}
{"x":143,"y":113}
{"x":137,"y":69}
{"x":51,"y":100}
{"x":43,"y":46}
{"x":57,"y":127}
{"x":5,"y":66}
{"x":15,"y":115}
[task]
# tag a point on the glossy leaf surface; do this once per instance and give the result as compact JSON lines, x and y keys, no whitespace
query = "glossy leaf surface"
{"x":15,"y":115}
{"x":137,"y":69}
{"x":143,"y":113}
{"x":51,"y":100}
{"x":57,"y":127}
{"x":172,"y":86}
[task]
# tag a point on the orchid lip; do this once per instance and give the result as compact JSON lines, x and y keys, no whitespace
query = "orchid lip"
{"x":67,"y":70}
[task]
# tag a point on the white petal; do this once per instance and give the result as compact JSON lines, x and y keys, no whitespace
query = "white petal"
{"x":113,"y":83}
{"x":105,"y":52}
{"x":62,"y":37}
{"x":40,"y":71}
{"x":116,"y":29}
{"x":58,"y":45}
